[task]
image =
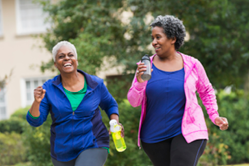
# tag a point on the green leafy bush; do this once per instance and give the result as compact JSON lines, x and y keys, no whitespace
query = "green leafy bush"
{"x":129,"y":117}
{"x":11,"y":125}
{"x":37,"y":140}
{"x":21,"y":113}
{"x":16,"y":121}
{"x":230,"y":146}
{"x":118,"y":85}
{"x":38,"y":143}
{"x":12,"y":150}
{"x":215,"y":152}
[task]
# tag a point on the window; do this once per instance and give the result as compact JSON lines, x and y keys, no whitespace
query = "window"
{"x":3,"y":112}
{"x":28,"y":86}
{"x":30,"y":17}
{"x":1,"y":22}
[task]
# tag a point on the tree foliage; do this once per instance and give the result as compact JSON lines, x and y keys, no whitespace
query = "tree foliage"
{"x":37,"y":140}
{"x":4,"y":81}
{"x":129,"y":117}
{"x":232,"y":145}
{"x":91,"y":25}
{"x":218,"y":33}
{"x":12,"y":150}
{"x":11,"y":125}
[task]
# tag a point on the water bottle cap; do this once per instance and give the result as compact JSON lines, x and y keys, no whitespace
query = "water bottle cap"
{"x":113,"y":122}
{"x":114,"y":127}
{"x":145,"y":57}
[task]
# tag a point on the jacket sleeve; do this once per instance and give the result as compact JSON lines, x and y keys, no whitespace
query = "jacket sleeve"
{"x":44,"y":110}
{"x":136,"y":93}
{"x":107,"y":102}
{"x":206,"y":92}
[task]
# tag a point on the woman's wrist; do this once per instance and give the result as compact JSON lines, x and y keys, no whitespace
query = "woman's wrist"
{"x":114,"y":116}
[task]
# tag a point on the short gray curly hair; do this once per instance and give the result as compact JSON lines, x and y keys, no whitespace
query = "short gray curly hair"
{"x":173,"y":27}
{"x":59,"y":45}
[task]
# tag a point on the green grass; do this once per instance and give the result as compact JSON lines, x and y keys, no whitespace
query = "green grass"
{"x":245,"y":164}
{"x":22,"y":164}
{"x":29,"y":164}
{"x":240,"y":165}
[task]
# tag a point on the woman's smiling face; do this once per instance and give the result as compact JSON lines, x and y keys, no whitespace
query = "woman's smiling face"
{"x":162,"y":44}
{"x":65,"y":60}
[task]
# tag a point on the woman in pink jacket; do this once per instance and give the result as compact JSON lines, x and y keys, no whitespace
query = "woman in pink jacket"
{"x":172,"y":127}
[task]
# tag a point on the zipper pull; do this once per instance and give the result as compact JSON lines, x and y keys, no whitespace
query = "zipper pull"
{"x":73,"y":112}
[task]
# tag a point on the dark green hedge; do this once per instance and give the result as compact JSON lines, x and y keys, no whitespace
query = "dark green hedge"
{"x":15,"y":122}
{"x":230,"y":146}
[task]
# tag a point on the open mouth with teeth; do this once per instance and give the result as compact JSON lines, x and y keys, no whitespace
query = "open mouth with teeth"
{"x":68,"y":65}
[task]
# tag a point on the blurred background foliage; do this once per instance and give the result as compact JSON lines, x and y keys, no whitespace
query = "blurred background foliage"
{"x":224,"y":147}
{"x":230,"y":146}
{"x":218,"y":32}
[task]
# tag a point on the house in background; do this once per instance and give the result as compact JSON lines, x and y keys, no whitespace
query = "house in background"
{"x":20,"y":53}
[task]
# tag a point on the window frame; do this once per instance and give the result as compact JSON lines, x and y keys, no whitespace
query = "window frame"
{"x":4,"y":104}
{"x":24,"y":100}
{"x":1,"y":19}
{"x":23,"y":31}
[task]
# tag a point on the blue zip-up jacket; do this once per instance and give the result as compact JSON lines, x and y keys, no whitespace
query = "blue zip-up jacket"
{"x":74,"y":131}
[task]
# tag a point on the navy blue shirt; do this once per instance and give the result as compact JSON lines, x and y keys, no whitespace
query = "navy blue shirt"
{"x":165,"y":105}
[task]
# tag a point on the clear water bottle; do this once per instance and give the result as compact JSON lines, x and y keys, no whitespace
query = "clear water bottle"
{"x":116,"y":135}
{"x":147,"y":74}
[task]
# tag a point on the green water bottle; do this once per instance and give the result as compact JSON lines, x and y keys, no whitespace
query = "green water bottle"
{"x":118,"y":140}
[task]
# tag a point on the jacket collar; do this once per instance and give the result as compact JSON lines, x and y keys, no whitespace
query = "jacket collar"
{"x":90,"y":82}
{"x":188,"y":65}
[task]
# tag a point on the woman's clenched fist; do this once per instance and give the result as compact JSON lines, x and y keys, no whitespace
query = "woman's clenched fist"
{"x":39,"y":94}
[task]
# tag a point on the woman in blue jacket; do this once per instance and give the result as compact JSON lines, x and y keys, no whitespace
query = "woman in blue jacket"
{"x":78,"y":135}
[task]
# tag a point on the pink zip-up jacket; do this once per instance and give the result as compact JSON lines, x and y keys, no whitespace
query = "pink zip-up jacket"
{"x":193,"y":122}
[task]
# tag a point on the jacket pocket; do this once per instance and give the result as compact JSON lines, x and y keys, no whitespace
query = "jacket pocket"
{"x":197,"y":117}
{"x":190,"y":112}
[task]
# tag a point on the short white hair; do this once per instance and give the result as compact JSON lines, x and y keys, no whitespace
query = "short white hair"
{"x":59,"y":45}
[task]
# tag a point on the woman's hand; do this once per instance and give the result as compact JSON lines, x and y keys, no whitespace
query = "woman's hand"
{"x":141,"y":68}
{"x":221,"y":122}
{"x":122,"y":130}
{"x":115,"y":116}
{"x":39,"y":94}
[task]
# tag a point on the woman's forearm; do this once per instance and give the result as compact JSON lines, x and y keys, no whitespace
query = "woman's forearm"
{"x":34,"y":110}
{"x":114,"y":116}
